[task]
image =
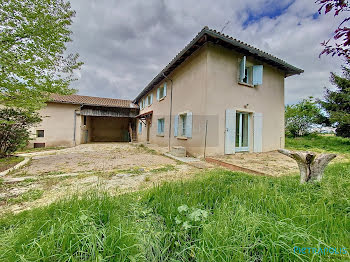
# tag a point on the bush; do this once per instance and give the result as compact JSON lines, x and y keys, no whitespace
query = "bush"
{"x":14,"y":133}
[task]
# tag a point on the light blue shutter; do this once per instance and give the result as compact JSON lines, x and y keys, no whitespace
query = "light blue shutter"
{"x":159,"y":126}
{"x":151,"y":99}
{"x":165,"y":89}
{"x":176,"y":124}
{"x":258,"y":126}
{"x":140,"y":127}
{"x":242,"y":69}
{"x":230,"y":132}
{"x":189,"y":125}
{"x":158,"y":90}
{"x":257,"y":75}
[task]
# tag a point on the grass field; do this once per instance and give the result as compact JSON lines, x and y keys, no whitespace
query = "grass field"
{"x":218,"y":216}
{"x":8,"y":162}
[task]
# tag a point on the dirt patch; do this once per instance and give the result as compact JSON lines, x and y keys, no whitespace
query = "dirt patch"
{"x":270,"y":163}
{"x":112,"y":167}
{"x":8,"y":162}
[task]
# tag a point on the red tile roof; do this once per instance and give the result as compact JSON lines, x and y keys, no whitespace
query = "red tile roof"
{"x":92,"y":101}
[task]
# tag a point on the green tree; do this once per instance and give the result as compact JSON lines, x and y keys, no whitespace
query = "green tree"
{"x":300,"y":117}
{"x":33,"y":63}
{"x":14,"y":125}
{"x":337,"y":103}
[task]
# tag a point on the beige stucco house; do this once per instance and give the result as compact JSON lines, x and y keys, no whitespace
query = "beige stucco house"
{"x":72,"y":120}
{"x":217,"y":96}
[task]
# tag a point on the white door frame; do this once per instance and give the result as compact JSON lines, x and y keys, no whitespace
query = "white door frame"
{"x":240,"y":148}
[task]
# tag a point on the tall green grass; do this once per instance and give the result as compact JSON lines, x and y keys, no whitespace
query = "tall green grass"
{"x":314,"y":142}
{"x":218,"y":216}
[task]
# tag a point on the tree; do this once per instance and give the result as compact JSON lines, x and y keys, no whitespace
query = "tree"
{"x":300,"y":117}
{"x":337,"y":103}
{"x":14,"y":125}
{"x":342,"y":33}
{"x":33,"y":64}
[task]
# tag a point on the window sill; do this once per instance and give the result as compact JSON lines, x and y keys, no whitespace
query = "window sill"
{"x":182,"y":138}
{"x":245,"y":84}
{"x":160,"y":135}
{"x":160,"y":99}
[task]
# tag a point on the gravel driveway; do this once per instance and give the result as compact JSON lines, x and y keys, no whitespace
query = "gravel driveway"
{"x":112,"y":167}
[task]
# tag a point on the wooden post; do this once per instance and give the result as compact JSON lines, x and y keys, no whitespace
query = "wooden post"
{"x":311,"y":167}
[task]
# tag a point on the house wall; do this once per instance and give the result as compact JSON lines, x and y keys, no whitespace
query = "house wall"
{"x":58,"y":125}
{"x":206,"y":84}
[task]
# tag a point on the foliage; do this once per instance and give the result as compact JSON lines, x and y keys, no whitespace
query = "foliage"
{"x":232,"y":217}
{"x":33,"y":38}
{"x":337,"y":103}
{"x":301,"y":116}
{"x":14,"y":124}
{"x":319,"y":143}
{"x":342,"y":33}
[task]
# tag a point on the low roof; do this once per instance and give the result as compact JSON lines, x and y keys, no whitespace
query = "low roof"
{"x":92,"y":101}
{"x":209,"y":35}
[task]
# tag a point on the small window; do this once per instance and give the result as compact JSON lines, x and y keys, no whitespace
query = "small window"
{"x":85,"y":120}
{"x":250,"y":74}
{"x":161,"y":126}
{"x":39,"y":145}
{"x":140,"y":127}
{"x":149,"y":99}
{"x":39,"y":133}
{"x":183,"y":118}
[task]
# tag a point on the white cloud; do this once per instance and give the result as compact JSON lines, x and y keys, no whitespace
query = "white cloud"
{"x":124,"y":44}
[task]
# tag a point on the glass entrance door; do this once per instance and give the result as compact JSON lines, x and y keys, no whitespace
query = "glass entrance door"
{"x":242,"y":132}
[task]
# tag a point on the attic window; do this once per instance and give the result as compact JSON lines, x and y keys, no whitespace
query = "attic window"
{"x":250,"y":74}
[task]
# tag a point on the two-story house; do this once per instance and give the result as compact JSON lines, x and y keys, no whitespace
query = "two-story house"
{"x":218,"y":95}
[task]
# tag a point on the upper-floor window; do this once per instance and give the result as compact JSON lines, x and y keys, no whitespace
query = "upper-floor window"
{"x":250,"y":74}
{"x":149,"y":99}
{"x":140,"y":127}
{"x":161,"y":92}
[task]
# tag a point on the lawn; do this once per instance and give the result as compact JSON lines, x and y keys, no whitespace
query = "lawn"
{"x":320,"y":143}
{"x":8,"y":162}
{"x":217,"y":216}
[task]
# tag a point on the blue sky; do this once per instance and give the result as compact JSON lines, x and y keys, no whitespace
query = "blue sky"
{"x":124,"y":44}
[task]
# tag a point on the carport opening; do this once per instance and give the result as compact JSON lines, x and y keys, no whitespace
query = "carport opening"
{"x":109,"y":129}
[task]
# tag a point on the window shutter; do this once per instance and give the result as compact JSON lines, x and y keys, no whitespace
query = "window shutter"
{"x":189,"y":125}
{"x":151,"y":99}
{"x":176,"y":124}
{"x":165,"y":86}
{"x":258,"y":126}
{"x":158,"y":91}
{"x":242,"y":69}
{"x":257,"y":75}
{"x":140,"y":127}
{"x":230,"y":132}
{"x":159,"y":126}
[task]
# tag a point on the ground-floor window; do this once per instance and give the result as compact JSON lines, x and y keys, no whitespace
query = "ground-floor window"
{"x":140,"y":127}
{"x":160,"y":126}
{"x":40,"y":133}
{"x":183,"y":118}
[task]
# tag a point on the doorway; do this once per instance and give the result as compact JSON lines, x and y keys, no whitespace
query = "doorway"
{"x":242,"y":132}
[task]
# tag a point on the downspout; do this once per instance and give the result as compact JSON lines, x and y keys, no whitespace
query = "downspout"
{"x":171,"y":107}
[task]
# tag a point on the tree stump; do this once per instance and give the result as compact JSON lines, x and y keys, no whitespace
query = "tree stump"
{"x":311,"y":167}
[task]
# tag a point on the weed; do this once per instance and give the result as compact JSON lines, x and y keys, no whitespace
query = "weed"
{"x":166,"y":168}
{"x":30,"y":195}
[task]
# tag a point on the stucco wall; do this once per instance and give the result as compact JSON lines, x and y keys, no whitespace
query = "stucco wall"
{"x":58,"y":125}
{"x":207,"y":84}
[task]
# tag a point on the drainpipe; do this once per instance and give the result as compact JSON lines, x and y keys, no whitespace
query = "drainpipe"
{"x":171,"y":107}
{"x":75,"y":125}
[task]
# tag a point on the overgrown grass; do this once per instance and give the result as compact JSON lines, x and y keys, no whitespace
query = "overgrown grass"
{"x":8,"y":162}
{"x":319,"y":143}
{"x":30,"y":195}
{"x":39,"y":149}
{"x":219,"y":216}
{"x":165,"y":168}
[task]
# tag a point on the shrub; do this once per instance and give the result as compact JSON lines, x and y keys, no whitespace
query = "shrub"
{"x":14,"y":125}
